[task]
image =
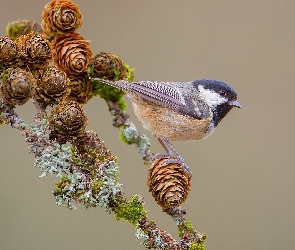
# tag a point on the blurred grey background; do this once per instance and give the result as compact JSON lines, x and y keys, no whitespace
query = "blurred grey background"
{"x":243,"y":194}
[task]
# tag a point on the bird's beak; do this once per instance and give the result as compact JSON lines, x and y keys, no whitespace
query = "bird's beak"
{"x":235,"y":104}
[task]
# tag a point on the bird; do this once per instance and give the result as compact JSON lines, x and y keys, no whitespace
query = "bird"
{"x":179,"y":111}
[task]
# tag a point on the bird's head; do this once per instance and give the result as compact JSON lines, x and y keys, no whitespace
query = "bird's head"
{"x":219,"y":96}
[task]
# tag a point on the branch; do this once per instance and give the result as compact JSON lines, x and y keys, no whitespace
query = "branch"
{"x":88,"y":171}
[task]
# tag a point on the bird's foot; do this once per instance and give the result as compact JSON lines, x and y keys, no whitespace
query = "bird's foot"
{"x":172,"y":156}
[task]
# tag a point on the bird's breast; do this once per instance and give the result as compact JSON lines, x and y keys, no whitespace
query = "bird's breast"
{"x":162,"y":121}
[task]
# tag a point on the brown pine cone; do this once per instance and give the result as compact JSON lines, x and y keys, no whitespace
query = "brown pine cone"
{"x":106,"y":65}
{"x":35,"y":50}
{"x":71,"y":53}
{"x":52,"y":87}
{"x":168,"y":182}
{"x":81,"y":88}
{"x":61,"y":16}
{"x":68,"y":118}
{"x":16,"y":86}
{"x":111,"y":67}
{"x":8,"y":52}
{"x":18,"y":28}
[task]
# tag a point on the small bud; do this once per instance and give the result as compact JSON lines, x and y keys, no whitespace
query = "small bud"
{"x":81,"y":88}
{"x":168,"y":182}
{"x":35,"y":50}
{"x":111,"y":67}
{"x":8,"y":51}
{"x":16,"y":86}
{"x":52,"y":87}
{"x":68,"y":118}
{"x":61,"y":17}
{"x":71,"y":53}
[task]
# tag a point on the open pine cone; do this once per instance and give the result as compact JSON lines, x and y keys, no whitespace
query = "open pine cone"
{"x":68,"y":118}
{"x":71,"y":53}
{"x":60,"y":16}
{"x":52,"y":87}
{"x":8,"y":52}
{"x":35,"y":50}
{"x":81,"y":88}
{"x":110,"y":67}
{"x":16,"y":86}
{"x":168,"y":182}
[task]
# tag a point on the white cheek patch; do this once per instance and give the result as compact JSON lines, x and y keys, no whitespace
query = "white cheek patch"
{"x":212,"y":98}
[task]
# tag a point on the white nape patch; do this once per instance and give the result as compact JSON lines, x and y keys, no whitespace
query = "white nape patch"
{"x":211,"y":97}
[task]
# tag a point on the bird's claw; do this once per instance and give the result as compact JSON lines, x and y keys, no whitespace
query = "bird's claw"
{"x":172,"y":156}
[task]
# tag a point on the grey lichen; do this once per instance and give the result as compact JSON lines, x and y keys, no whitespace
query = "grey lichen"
{"x":55,"y":160}
{"x":130,"y":135}
{"x":76,"y":185}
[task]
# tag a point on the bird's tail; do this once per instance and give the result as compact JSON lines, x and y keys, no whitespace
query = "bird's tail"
{"x":118,"y":84}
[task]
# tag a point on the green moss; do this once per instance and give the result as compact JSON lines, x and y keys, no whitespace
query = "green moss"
{"x":61,"y":184}
{"x":196,"y":246}
{"x":5,"y":74}
{"x":187,"y":226}
{"x":108,"y":93}
{"x":86,"y":165}
{"x":93,"y":155}
{"x":103,"y":90}
{"x":96,"y":186}
{"x":186,"y":229}
{"x":117,"y":74}
{"x":2,"y":66}
{"x":122,"y":104}
{"x":90,"y":71}
{"x":13,"y":30}
{"x":199,"y":244}
{"x":17,"y":28}
{"x":130,"y":72}
{"x":77,"y":160}
{"x":131,"y":210}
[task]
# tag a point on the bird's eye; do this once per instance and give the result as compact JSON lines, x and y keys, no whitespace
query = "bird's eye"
{"x":222,"y":93}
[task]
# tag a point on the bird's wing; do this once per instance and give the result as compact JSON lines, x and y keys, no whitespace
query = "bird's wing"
{"x":162,"y":93}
